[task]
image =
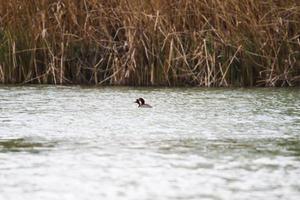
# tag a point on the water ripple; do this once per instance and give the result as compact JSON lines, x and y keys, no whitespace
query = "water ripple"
{"x":90,"y":143}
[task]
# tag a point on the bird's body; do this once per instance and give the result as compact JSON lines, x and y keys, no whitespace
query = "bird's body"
{"x":145,"y":106}
{"x":142,"y":103}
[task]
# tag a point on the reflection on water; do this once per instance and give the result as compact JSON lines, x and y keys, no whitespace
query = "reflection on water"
{"x":259,"y":147}
{"x":20,"y":144}
{"x":91,"y":143}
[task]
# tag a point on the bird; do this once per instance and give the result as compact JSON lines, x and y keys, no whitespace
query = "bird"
{"x":142,"y":103}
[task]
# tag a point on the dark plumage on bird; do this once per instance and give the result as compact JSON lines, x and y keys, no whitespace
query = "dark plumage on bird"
{"x":141,"y":103}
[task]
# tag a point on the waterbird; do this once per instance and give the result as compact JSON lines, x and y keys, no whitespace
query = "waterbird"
{"x":142,"y":103}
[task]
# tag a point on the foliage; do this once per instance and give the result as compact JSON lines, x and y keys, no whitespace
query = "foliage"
{"x":151,"y":42}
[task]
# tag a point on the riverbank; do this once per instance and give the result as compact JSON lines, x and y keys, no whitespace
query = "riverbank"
{"x":148,"y":43}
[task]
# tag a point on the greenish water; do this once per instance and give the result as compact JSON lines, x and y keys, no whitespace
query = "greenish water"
{"x":94,"y":143}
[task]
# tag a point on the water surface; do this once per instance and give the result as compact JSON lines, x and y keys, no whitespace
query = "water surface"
{"x":94,"y":143}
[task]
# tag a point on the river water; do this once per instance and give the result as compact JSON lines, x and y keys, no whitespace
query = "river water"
{"x":59,"y":142}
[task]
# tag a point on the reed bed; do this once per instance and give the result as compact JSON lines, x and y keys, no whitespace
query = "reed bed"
{"x":151,"y":42}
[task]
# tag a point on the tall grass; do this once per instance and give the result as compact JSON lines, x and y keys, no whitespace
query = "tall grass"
{"x":151,"y":42}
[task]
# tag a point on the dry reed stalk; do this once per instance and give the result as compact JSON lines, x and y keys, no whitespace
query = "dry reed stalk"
{"x":62,"y":63}
{"x":2,"y":76}
{"x":224,"y":74}
{"x":203,"y":43}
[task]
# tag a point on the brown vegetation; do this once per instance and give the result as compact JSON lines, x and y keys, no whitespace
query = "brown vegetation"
{"x":151,"y":42}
